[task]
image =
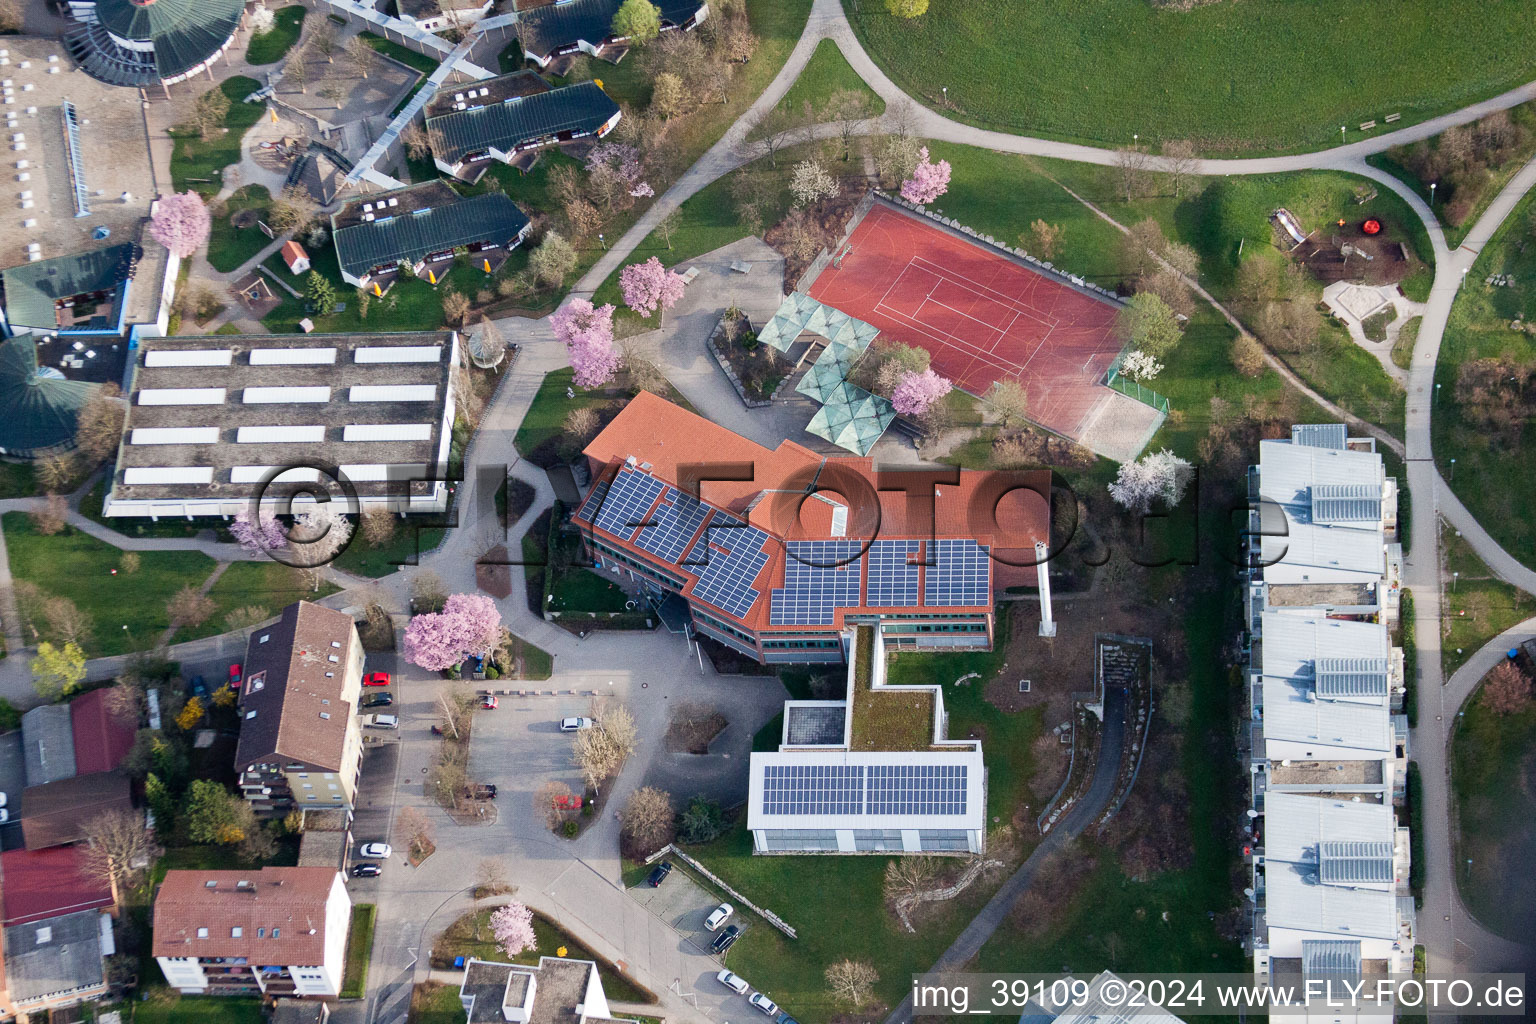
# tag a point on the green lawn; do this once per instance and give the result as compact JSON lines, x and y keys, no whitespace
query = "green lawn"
{"x":229,"y":246}
{"x":359,"y":948}
{"x":408,"y":306}
{"x":433,"y":1002}
{"x":412,"y":537}
{"x":17,"y":480}
{"x":1478,"y":606}
{"x":73,"y":565}
{"x":827,"y":72}
{"x":168,"y":1008}
{"x":1496,"y":811}
{"x":582,"y":590}
{"x":537,"y":662}
{"x":410,"y":58}
{"x":196,"y":164}
{"x":271,"y":47}
{"x":271,"y":585}
{"x":1489,"y":475}
{"x":1101,"y":71}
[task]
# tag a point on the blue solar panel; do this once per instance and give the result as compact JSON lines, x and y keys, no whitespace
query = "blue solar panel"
{"x":726,"y":576}
{"x":820,"y":576}
{"x":916,"y":789}
{"x":673,"y":525}
{"x":628,"y":503}
{"x":959,"y":573}
{"x":892,"y":575}
{"x":813,"y":789}
{"x":593,"y":503}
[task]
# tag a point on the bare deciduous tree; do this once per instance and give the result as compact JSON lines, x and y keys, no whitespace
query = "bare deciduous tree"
{"x":774,"y":129}
{"x":51,"y":517}
{"x":491,"y":879}
{"x":848,"y":110}
{"x":1131,"y":169}
{"x":378,"y":527}
{"x":292,"y":210}
{"x":648,"y":820}
{"x":1009,"y":398}
{"x":418,"y":146}
{"x":361,"y":56}
{"x":415,"y":830}
{"x":851,"y":981}
{"x":99,"y":428}
{"x":602,"y":750}
{"x":1044,"y":239}
{"x":66,"y":622}
{"x":906,"y":877}
{"x":1507,"y":690}
{"x":548,"y":801}
{"x":1179,"y":162}
{"x":118,"y":850}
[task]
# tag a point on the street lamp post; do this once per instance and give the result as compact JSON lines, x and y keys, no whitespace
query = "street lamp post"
{"x":1341,"y":135}
{"x":946,"y":95}
{"x":1453,"y":469}
{"x":601,"y":242}
{"x":1432,"y":194}
{"x":1454,"y":577}
{"x":1437,"y":395}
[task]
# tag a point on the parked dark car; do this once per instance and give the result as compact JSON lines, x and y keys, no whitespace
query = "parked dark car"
{"x":484,"y":791}
{"x":659,"y":874}
{"x":367,"y":869}
{"x":198,"y":687}
{"x":785,"y":1018}
{"x":725,"y":940}
{"x":379,"y":700}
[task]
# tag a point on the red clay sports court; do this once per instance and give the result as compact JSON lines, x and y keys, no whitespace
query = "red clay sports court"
{"x":980,"y":315}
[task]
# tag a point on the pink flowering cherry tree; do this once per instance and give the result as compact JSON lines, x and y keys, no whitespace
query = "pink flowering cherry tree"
{"x":929,"y":180}
{"x":260,"y":535}
{"x":468,"y":625}
{"x":649,"y":286}
{"x":512,"y":927}
{"x":180,"y":223}
{"x":916,"y":392}
{"x":587,"y":333}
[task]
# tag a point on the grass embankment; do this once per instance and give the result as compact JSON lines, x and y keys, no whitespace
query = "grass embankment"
{"x":1477,"y":605}
{"x":1496,"y":817}
{"x":1490,"y":441}
{"x":1103,"y":71}
{"x":359,"y":948}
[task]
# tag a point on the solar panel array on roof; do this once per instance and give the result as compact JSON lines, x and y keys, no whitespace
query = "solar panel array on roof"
{"x":728,"y":558}
{"x":673,"y":525}
{"x":1343,"y":678}
{"x":628,"y":503}
{"x":1346,"y":503}
{"x":1346,"y":863}
{"x":959,"y":574}
{"x":813,"y":789}
{"x":594,"y":503}
{"x":916,"y":789}
{"x":893,"y":574}
{"x":1320,"y":435}
{"x":814,"y":726}
{"x":820,"y":576}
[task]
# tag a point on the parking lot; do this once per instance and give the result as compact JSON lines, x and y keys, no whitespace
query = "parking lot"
{"x":519,"y":747}
{"x":683,"y":902}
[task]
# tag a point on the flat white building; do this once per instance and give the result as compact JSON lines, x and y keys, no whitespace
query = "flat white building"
{"x":274,"y":932}
{"x":837,"y":785}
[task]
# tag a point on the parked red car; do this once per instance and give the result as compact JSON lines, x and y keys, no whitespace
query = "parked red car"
{"x":489,"y":703}
{"x":568,"y":802}
{"x":235,"y":675}
{"x":376,"y":679}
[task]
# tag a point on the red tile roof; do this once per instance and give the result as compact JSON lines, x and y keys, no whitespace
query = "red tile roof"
{"x":279,"y":912}
{"x":41,"y":884}
{"x":102,"y":738}
{"x":1007,"y":511}
{"x":293,"y":252}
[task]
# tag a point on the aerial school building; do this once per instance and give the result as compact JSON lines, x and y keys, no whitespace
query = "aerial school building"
{"x":782,"y":558}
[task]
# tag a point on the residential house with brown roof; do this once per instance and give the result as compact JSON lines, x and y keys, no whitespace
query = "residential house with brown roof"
{"x":56,"y":931}
{"x":778,"y":552}
{"x":300,"y":741}
{"x":275,"y":932}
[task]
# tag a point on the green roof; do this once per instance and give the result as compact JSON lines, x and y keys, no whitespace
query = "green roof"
{"x":407,"y":237}
{"x":573,"y":111}
{"x":31,"y":289}
{"x":183,"y":34}
{"x":37,"y":414}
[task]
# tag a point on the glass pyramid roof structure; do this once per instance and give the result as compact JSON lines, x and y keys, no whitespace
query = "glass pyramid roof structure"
{"x":850,"y":417}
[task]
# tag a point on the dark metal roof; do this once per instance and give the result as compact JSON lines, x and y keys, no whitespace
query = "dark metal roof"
{"x":37,"y":414}
{"x":31,"y":289}
{"x":580,"y":109}
{"x":544,"y":30}
{"x":490,"y":217}
{"x":183,"y":34}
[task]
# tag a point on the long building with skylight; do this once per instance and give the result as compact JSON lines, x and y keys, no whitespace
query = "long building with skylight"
{"x":777,"y":551}
{"x":216,"y":422}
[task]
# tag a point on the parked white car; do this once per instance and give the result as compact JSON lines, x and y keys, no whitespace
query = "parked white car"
{"x":719,"y":916}
{"x":375,"y":851}
{"x":381,"y":721}
{"x":575,"y":724}
{"x":765,"y":1004}
{"x":735,"y":982}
